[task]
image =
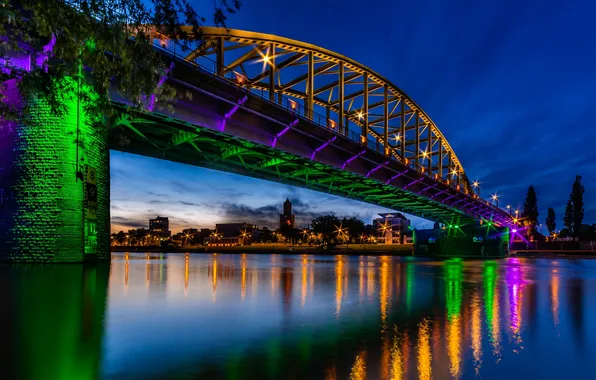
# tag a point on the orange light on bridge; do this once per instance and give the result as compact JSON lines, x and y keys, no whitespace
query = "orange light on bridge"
{"x":239,"y":77}
{"x":292,"y":104}
{"x":331,"y":124}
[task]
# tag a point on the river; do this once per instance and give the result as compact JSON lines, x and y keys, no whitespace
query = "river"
{"x":210,"y":316}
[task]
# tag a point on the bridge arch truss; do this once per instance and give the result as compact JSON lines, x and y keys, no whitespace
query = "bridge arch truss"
{"x":334,"y":91}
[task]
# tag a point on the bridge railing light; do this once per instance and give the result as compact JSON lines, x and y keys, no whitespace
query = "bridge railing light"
{"x":293,"y":105}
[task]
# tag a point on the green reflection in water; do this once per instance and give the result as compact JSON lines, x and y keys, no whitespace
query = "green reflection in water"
{"x":454,"y":276}
{"x":489,"y":274}
{"x":58,"y":320}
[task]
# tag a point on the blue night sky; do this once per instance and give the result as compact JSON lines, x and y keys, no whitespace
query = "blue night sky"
{"x":509,"y":83}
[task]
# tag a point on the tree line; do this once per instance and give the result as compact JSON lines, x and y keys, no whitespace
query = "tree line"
{"x":572,"y":220}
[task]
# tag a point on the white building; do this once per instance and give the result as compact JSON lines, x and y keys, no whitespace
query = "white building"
{"x":392,"y":228}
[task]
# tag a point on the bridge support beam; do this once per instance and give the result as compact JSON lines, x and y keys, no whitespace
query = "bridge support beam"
{"x":54,"y":184}
{"x":310,"y":102}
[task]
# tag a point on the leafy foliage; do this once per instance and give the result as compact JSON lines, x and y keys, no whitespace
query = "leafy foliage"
{"x":326,"y":225}
{"x":111,"y":39}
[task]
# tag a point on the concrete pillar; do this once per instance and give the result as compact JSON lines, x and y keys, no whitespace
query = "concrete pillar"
{"x":51,"y":209}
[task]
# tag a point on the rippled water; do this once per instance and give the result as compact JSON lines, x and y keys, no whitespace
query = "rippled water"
{"x":173,"y":316}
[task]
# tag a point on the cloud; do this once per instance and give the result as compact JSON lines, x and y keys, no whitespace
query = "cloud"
{"x":123,"y":222}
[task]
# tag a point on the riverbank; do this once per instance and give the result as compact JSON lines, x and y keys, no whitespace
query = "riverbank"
{"x":350,"y":249}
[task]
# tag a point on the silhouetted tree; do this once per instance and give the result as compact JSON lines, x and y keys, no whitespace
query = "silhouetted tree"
{"x":266,"y":235}
{"x":551,"y":221}
{"x":355,"y":227}
{"x":530,"y":213}
{"x":574,"y":212}
{"x":120,"y":237}
{"x":326,"y":225}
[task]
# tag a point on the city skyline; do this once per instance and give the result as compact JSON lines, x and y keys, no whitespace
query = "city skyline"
{"x":492,"y":82}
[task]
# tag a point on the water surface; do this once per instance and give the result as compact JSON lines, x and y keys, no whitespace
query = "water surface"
{"x":176,"y":316}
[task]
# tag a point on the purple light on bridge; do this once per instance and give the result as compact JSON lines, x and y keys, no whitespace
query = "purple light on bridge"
{"x":514,"y":230}
{"x":352,"y":159}
{"x":413,"y":182}
{"x":427,"y":188}
{"x":230,"y":113}
{"x":395,"y":176}
{"x":278,"y":136}
{"x":448,"y":198}
{"x":312,"y":157}
{"x":161,"y":82}
{"x":377,"y":168}
{"x":439,"y":193}
{"x":292,"y":124}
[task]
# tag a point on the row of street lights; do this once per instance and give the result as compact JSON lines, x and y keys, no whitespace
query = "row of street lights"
{"x":495,"y":199}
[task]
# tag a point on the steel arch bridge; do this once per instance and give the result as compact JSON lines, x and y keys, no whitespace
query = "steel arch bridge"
{"x":376,"y":144}
{"x":340,"y":92}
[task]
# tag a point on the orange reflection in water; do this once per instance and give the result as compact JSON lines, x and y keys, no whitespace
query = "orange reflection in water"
{"x":370,"y":280}
{"x":476,"y":332}
{"x":243,"y":278}
{"x":126,"y":270}
{"x":384,"y":293}
{"x":358,"y":371}
{"x":186,"y":269}
{"x":424,"y":353}
{"x":304,"y":289}
{"x":554,"y":296}
{"x":454,"y":345}
{"x":397,"y":361}
{"x":339,"y":272}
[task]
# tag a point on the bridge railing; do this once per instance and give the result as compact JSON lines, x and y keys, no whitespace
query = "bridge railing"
{"x":283,"y":101}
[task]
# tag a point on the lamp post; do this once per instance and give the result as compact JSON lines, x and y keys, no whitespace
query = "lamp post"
{"x":476,"y":184}
{"x":495,"y":198}
{"x":509,"y":209}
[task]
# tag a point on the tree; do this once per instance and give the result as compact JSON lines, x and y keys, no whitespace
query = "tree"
{"x":120,"y":237}
{"x":326,"y":225}
{"x":354,"y":226}
{"x":110,"y":39}
{"x":551,"y":221}
{"x":530,"y":213}
{"x":574,"y":212}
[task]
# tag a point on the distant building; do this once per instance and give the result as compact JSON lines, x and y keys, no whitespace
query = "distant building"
{"x":392,"y":228}
{"x":160,"y":228}
{"x":228,"y":234}
{"x":287,"y":218}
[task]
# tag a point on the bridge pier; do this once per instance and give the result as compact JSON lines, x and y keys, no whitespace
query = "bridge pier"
{"x":463,"y":241}
{"x":54,"y":182}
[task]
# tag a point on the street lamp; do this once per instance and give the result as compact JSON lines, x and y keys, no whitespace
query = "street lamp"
{"x":495,"y":198}
{"x":509,"y":208}
{"x":476,"y":184}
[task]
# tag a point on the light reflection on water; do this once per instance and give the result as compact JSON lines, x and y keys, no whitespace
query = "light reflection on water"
{"x":302,"y":317}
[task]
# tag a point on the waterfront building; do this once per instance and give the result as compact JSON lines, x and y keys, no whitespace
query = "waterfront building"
{"x":159,"y":228}
{"x":392,"y":228}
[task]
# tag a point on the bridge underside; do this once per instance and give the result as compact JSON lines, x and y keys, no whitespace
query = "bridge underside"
{"x":205,"y":147}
